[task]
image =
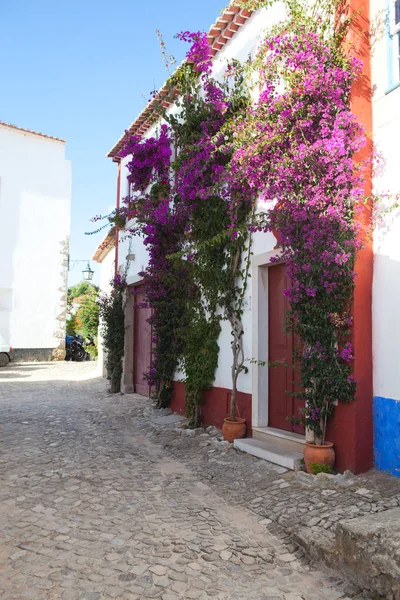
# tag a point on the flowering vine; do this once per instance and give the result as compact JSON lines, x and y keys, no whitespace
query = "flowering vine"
{"x":296,"y":147}
{"x":183,"y":211}
{"x":293,"y":148}
{"x":149,"y":159}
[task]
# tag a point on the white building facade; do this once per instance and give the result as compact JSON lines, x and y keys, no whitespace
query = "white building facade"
{"x":371,"y":425}
{"x":35,"y":203}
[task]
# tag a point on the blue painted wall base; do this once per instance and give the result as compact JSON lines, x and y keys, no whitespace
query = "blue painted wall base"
{"x":387,"y":434}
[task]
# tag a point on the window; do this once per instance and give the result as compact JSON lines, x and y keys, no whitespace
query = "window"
{"x":394,"y":42}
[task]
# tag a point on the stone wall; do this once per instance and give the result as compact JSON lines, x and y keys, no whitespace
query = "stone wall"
{"x":32,"y":354}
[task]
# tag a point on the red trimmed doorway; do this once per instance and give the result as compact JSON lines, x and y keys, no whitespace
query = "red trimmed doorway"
{"x":282,"y":378}
{"x":141,"y":343}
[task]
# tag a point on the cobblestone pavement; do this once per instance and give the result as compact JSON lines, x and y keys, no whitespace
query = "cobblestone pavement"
{"x":96,"y":501}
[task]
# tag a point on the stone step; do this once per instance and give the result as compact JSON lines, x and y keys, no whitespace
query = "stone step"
{"x":275,"y":453}
{"x":363,"y":550}
{"x":286,"y":439}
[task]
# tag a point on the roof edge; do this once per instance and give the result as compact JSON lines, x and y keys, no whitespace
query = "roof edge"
{"x":49,"y":137}
{"x":219,"y":34}
{"x":104,"y":248}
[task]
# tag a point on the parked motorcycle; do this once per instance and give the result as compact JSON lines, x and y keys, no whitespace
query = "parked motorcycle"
{"x":74,"y":347}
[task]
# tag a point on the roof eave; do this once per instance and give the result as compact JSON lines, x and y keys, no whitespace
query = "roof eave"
{"x":220,"y":33}
{"x":24,"y":130}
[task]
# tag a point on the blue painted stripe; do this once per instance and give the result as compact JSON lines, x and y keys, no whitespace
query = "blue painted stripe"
{"x":386,"y":416}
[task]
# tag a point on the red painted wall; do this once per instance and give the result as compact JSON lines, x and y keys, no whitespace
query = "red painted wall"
{"x":216,"y":405}
{"x":351,"y":428}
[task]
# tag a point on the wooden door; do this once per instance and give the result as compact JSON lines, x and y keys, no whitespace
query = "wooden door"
{"x":283,"y":378}
{"x":142,"y":344}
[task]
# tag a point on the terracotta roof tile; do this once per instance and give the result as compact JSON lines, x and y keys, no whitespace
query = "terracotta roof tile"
{"x":105,"y":246}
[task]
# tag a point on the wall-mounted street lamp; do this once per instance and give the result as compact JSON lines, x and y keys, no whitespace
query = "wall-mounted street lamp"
{"x":88,"y":273}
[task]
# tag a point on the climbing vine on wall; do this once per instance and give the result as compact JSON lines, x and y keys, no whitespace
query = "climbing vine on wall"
{"x":184,"y":208}
{"x":112,"y":322}
{"x":302,"y":162}
{"x":294,"y":148}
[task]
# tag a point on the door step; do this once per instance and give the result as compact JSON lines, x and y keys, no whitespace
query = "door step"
{"x":276,"y":453}
{"x":287,"y":439}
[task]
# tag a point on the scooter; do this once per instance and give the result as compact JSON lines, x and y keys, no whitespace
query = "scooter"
{"x":74,"y":348}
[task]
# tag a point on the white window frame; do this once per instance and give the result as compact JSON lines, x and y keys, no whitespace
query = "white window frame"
{"x":394,"y":45}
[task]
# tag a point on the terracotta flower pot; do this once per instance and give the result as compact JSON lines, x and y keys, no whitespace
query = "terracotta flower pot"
{"x":233,"y":430}
{"x":323,"y":455}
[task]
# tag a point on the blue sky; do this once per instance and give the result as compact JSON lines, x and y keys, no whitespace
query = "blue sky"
{"x":78,"y":70}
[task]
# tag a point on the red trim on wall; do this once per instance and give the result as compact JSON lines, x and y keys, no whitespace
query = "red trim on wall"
{"x":216,"y":405}
{"x":351,"y":428}
{"x":362,"y":458}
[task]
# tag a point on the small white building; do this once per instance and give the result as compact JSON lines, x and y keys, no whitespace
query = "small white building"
{"x":35,"y":202}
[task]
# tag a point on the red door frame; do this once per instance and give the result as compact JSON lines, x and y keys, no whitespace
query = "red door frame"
{"x":280,"y":350}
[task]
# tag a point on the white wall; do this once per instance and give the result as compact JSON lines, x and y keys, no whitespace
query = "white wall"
{"x":35,"y":197}
{"x":107,"y":271}
{"x":386,"y":286}
{"x":133,"y":245}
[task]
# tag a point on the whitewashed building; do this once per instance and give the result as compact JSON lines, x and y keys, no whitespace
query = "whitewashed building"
{"x":35,"y":201}
{"x":369,"y":428}
{"x":386,"y":289}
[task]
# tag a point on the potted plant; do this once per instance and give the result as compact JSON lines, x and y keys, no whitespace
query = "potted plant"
{"x":317,"y":450}
{"x":234,"y":427}
{"x":325,"y":366}
{"x":320,"y":454}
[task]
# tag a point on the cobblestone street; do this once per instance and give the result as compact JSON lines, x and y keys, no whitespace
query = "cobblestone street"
{"x":96,"y":504}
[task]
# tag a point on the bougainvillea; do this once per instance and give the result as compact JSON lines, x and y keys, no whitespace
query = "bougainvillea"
{"x":150,"y":159}
{"x":296,"y":147}
{"x":163,"y":230}
{"x":208,"y":194}
{"x":199,"y":53}
{"x":193,"y":258}
{"x":165,"y":284}
{"x":293,"y":148}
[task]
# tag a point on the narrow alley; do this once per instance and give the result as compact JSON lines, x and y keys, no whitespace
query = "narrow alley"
{"x":93,"y":506}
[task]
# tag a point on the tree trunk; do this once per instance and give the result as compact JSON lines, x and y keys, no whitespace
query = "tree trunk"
{"x":115,"y":385}
{"x":237,"y":359}
{"x":237,"y":333}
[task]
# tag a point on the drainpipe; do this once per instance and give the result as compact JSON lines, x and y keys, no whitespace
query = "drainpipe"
{"x":117,"y":207}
